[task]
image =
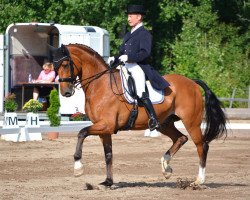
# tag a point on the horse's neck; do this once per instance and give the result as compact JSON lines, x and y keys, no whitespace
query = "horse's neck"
{"x":93,"y":62}
{"x":91,"y":70}
{"x":100,"y":91}
{"x":106,"y":85}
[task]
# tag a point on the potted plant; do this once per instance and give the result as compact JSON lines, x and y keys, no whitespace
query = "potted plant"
{"x":53,"y":113}
{"x":10,"y":116}
{"x":32,"y":106}
{"x":10,"y":105}
{"x":32,"y":119}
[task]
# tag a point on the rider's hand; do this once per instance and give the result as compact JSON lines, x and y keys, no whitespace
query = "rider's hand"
{"x":123,"y":58}
{"x":111,"y":60}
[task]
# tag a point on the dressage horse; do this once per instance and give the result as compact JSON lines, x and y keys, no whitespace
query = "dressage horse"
{"x":106,"y":107}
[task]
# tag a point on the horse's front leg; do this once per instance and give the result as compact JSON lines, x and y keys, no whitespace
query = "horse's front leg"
{"x":78,"y":167}
{"x":107,"y":145}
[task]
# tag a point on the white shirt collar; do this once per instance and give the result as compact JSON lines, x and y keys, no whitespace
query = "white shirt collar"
{"x":136,"y":27}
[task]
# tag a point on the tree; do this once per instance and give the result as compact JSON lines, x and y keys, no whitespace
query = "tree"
{"x":207,"y":39}
{"x":30,"y":11}
{"x":209,"y":50}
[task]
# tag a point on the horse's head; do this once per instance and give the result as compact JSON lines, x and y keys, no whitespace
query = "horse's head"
{"x":66,"y":69}
{"x":68,"y":63}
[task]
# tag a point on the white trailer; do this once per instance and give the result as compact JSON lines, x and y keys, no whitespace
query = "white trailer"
{"x":24,"y":49}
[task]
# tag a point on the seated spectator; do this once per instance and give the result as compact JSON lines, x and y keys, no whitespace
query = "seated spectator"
{"x":47,"y":75}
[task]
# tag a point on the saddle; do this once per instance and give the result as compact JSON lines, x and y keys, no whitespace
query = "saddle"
{"x":128,"y":83}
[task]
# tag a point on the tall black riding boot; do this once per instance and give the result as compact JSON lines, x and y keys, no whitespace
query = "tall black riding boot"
{"x":153,"y":122}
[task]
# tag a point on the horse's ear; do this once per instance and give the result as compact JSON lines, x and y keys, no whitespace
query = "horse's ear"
{"x":51,"y":48}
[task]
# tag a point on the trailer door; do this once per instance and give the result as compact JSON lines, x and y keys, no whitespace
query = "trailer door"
{"x":1,"y":71}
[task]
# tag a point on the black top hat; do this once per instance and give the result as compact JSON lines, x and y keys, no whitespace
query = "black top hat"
{"x":136,"y":9}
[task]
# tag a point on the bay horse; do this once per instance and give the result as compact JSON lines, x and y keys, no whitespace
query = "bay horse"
{"x":109,"y":112}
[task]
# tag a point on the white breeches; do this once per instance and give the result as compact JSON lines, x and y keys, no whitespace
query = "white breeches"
{"x":139,"y":77}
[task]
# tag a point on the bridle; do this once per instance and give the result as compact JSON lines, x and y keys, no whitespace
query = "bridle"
{"x":63,"y":54}
{"x":59,"y":58}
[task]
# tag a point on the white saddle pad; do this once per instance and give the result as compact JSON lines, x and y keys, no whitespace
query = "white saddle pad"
{"x":156,"y":96}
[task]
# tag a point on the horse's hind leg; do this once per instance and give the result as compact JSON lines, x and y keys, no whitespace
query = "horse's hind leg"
{"x":178,"y":139}
{"x":202,"y":150}
{"x":107,"y":146}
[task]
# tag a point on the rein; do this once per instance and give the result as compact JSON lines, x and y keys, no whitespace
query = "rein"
{"x":91,"y":78}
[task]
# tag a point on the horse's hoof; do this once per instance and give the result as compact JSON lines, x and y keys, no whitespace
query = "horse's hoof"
{"x":199,"y":181}
{"x":107,"y":183}
{"x":195,"y":184}
{"x":78,"y":172}
{"x":167,"y":172}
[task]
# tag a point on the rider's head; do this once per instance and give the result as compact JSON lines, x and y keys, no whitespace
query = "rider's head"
{"x":135,"y":14}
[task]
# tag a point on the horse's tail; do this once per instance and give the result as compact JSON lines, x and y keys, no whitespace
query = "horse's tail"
{"x":215,"y":117}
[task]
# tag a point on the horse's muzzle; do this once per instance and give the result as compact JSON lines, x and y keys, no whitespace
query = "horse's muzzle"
{"x":67,"y":91}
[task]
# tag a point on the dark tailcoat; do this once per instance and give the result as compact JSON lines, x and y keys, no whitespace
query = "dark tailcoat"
{"x":138,"y":48}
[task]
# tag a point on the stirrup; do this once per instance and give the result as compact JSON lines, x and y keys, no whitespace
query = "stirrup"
{"x":153,"y":124}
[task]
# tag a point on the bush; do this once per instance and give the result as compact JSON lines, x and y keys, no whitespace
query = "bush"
{"x":32,"y":106}
{"x":10,"y":105}
{"x":53,"y":110}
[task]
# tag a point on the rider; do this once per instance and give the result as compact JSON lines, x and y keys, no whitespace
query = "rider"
{"x":134,"y":52}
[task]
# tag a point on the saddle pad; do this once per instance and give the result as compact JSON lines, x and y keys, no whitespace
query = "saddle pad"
{"x":156,"y":96}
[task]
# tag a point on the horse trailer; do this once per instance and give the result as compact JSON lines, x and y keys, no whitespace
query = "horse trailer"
{"x":24,"y":49}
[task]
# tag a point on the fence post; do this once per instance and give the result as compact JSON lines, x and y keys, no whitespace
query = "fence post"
{"x":232,"y":98}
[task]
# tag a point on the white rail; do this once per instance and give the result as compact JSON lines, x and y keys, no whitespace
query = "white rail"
{"x":66,"y":126}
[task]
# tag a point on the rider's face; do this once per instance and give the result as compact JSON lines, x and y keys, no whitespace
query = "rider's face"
{"x":134,"y":19}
